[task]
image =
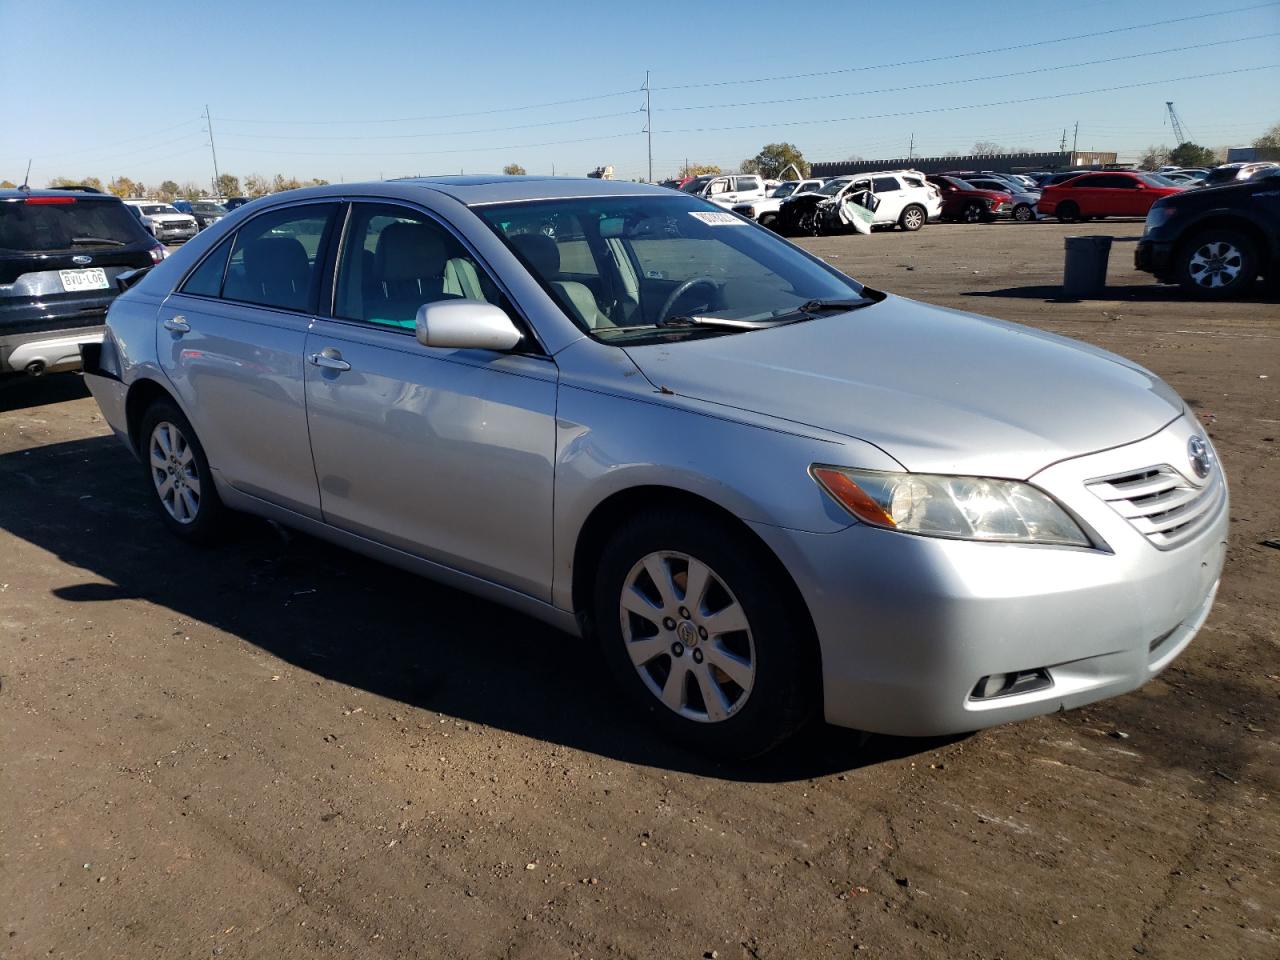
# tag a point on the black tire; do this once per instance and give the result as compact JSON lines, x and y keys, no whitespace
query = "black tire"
{"x":973,"y":213}
{"x":786,"y":689}
{"x":1069,"y":211}
{"x":210,"y":515}
{"x":913,"y":217}
{"x":768,"y":220}
{"x":1024,"y":213}
{"x":1231,"y":258}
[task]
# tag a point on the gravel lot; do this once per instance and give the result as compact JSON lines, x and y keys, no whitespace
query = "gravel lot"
{"x":277,"y":749}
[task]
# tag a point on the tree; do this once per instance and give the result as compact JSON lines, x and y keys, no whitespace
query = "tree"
{"x":1269,"y":140}
{"x":1153,"y":158}
{"x":228,"y":185}
{"x":1192,"y":155}
{"x":190,"y":191}
{"x":74,"y":182}
{"x":281,"y":183}
{"x":699,"y":170}
{"x":168,"y":190}
{"x":985,"y":148}
{"x":7,"y":184}
{"x":774,"y":158}
{"x":124,"y":188}
{"x":317,"y":182}
{"x":255,"y":185}
{"x":514,"y":170}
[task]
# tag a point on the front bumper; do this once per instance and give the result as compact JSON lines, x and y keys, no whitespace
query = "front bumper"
{"x":174,"y":234}
{"x":911,"y":627}
{"x":1153,"y":257}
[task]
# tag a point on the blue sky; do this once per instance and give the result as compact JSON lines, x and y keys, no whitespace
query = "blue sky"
{"x":322,"y":89}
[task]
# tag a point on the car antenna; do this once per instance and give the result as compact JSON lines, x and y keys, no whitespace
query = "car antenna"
{"x":26,"y":180}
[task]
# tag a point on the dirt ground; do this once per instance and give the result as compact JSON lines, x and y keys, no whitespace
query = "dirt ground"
{"x":277,"y":749}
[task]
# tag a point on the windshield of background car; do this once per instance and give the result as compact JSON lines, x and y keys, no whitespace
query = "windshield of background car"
{"x":784,"y":190}
{"x":697,"y":184}
{"x":1156,"y":180}
{"x":832,"y":187}
{"x":208,"y":208}
{"x":152,"y":209}
{"x":620,"y":266}
{"x":68,"y":224}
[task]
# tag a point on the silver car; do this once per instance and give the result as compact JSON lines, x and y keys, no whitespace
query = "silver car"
{"x":764,"y":489}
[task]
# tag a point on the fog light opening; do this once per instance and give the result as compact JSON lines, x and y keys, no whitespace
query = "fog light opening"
{"x":1011,"y":684}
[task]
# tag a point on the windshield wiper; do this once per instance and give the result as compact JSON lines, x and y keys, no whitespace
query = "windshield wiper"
{"x":102,"y":240}
{"x":821,"y":306}
{"x":726,"y":322}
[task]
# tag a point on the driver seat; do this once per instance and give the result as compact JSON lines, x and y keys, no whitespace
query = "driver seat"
{"x":543,"y":255}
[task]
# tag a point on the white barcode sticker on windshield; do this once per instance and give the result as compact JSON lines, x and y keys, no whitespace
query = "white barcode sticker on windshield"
{"x":717,"y":219}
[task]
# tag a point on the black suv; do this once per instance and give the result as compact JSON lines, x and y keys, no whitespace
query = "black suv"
{"x":60,"y":254}
{"x":1214,"y":241}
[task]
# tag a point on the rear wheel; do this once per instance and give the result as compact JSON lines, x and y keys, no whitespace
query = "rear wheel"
{"x":1069,"y":211}
{"x":913,"y":218}
{"x":1024,"y":213}
{"x":178,"y":474}
{"x":696,"y":625}
{"x":972,"y":213}
{"x":1218,"y":263}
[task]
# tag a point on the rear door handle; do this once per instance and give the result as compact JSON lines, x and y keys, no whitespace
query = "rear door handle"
{"x":177,"y":324}
{"x":329,"y":359}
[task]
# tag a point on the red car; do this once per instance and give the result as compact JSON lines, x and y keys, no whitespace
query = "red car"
{"x":961,"y":200}
{"x":1113,"y":193}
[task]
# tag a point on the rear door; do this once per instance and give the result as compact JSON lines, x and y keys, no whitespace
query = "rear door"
{"x":231,"y":340}
{"x":892,"y":197}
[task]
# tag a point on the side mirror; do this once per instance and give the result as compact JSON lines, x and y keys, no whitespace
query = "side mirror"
{"x":465,"y":325}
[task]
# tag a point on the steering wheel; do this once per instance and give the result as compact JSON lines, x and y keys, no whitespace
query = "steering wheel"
{"x":681,"y":290}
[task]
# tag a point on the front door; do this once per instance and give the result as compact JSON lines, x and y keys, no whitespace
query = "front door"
{"x":231,"y":341}
{"x":445,"y":454}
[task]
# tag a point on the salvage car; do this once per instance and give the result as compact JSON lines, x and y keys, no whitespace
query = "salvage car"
{"x":765,"y":212}
{"x":60,"y":255}
{"x":1115,"y":193}
{"x":902,"y":197}
{"x":1215,"y":241}
{"x":765,"y":490}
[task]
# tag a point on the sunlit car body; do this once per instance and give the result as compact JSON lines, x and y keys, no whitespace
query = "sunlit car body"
{"x":766,"y":489}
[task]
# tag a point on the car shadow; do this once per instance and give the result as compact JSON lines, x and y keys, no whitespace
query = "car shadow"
{"x":363,"y":624}
{"x":1136,"y":293}
{"x":19,"y":391}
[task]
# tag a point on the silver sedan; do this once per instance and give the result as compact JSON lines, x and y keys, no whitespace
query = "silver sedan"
{"x":764,"y":489}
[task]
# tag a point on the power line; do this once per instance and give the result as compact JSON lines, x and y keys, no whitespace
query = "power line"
{"x":442,"y":116}
{"x":438,"y":133}
{"x":426,"y":153}
{"x":978,"y":79}
{"x":116,"y":143}
{"x":973,"y":106}
{"x":972,"y":53}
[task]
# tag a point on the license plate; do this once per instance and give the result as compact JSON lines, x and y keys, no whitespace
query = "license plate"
{"x":94,"y":278}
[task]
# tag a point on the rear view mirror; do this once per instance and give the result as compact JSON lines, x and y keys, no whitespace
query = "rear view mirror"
{"x":465,"y":325}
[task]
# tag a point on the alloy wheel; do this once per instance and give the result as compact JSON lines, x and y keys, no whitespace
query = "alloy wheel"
{"x":1215,"y":264}
{"x":913,"y":219}
{"x":173,"y":472}
{"x":1023,"y":213}
{"x":687,"y":636}
{"x":972,"y":213}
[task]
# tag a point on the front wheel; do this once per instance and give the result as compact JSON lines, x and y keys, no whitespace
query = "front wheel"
{"x":1024,"y":213}
{"x":913,"y":218}
{"x":973,"y":213}
{"x":1218,"y":264}
{"x":697,"y":627}
{"x":178,"y":475}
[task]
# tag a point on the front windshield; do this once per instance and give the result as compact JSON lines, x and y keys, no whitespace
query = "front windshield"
{"x":697,"y":184}
{"x":785,"y":189}
{"x":832,"y":187}
{"x":620,"y":267}
{"x":212,"y":208}
{"x":154,"y":208}
{"x":1156,"y":180}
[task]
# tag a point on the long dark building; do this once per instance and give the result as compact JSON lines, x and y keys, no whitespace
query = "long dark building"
{"x":1001,"y":163}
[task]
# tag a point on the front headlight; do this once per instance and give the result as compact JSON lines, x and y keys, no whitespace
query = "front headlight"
{"x":958,"y":508}
{"x":1158,"y":216}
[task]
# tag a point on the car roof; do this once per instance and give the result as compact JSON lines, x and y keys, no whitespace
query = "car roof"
{"x":477,"y":189}
{"x":18,"y":193}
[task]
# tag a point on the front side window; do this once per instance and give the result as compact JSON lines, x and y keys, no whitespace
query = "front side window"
{"x":642,"y":261}
{"x":276,"y":258}
{"x":395,"y":259}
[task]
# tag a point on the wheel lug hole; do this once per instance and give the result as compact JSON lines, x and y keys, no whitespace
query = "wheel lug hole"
{"x":677,"y":649}
{"x":668,"y":623}
{"x":684,"y":613}
{"x":697,"y":655}
{"x":702,"y":632}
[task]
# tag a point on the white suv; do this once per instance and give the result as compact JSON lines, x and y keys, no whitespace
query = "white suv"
{"x":905,"y":197}
{"x":765,"y":211}
{"x":168,"y":224}
{"x":727,"y":189}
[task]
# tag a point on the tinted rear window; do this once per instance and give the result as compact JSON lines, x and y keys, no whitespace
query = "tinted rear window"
{"x":51,"y":227}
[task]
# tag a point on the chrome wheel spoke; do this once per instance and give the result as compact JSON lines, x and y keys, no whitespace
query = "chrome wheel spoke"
{"x":161,"y":437}
{"x":158,"y":462}
{"x":192,"y":481}
{"x":660,"y":573}
{"x":697,"y":579}
{"x":729,"y":620}
{"x":733,"y":667}
{"x":189,"y":502}
{"x":647,"y":649}
{"x":633,"y":601}
{"x":164,"y":487}
{"x":673,"y":689}
{"x":713,"y":698}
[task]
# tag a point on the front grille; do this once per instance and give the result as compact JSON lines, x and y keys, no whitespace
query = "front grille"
{"x":1161,"y":503}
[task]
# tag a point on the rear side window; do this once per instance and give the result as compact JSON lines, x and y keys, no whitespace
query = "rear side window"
{"x":275,"y":260}
{"x":70,"y":223}
{"x":885,"y":184}
{"x":206,"y":279}
{"x":914,"y":181}
{"x":748,"y":183}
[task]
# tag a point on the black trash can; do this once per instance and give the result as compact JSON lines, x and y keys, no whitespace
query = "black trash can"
{"x":1085,"y":273}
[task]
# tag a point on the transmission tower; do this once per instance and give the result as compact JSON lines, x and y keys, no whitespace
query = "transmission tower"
{"x":1175,"y":121}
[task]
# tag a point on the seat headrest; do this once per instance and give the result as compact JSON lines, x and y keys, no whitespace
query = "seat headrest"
{"x":410,"y":251}
{"x":276,"y":259}
{"x":541,"y":252}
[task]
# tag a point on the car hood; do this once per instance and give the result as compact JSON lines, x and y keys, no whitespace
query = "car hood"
{"x":939,"y":390}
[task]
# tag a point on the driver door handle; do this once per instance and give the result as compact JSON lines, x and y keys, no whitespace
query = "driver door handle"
{"x":177,"y":324}
{"x":329,"y":359}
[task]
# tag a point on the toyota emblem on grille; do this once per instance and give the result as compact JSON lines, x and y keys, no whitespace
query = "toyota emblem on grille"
{"x":1200,"y":457}
{"x":82,"y":260}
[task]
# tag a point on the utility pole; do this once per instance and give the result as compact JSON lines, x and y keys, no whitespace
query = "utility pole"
{"x":1063,"y":145}
{"x":1075,"y":139}
{"x":214,"y":150}
{"x":911,"y":148}
{"x":648,"y":122}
